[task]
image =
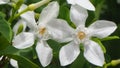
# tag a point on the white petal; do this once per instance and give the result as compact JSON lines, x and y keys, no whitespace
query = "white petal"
{"x":85,"y":4}
{"x":23,"y":40}
{"x":4,"y":1}
{"x":1,"y":58}
{"x":44,"y":53}
{"x":71,"y":2}
{"x":93,"y":53}
{"x":78,"y":15}
{"x":14,"y":63}
{"x":49,"y":12}
{"x":29,"y":17}
{"x":60,"y":30}
{"x":17,"y":25}
{"x":102,"y":28}
{"x":69,"y":53}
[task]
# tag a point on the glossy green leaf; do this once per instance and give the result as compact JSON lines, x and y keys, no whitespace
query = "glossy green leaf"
{"x":5,"y":29}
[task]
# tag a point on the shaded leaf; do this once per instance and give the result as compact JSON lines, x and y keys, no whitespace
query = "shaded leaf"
{"x":5,"y":29}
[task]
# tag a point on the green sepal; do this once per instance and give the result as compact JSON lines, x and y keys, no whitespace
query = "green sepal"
{"x":110,"y":38}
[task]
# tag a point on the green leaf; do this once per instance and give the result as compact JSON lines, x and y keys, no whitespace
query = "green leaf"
{"x":100,"y":43}
{"x":14,"y":53}
{"x":5,"y":29}
{"x":65,"y":14}
{"x":3,"y":43}
{"x":24,"y":62}
{"x":77,"y":63}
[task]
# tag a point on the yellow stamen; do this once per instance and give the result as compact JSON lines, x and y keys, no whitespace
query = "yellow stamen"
{"x":81,"y":35}
{"x":42,"y":30}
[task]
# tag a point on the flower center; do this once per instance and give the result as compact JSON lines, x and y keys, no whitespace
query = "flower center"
{"x":81,"y":35}
{"x":42,"y":30}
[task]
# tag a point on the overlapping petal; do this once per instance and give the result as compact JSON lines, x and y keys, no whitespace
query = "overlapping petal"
{"x":23,"y":40}
{"x":29,"y":17}
{"x":86,"y":4}
{"x":78,"y":15}
{"x":49,"y":12}
{"x":102,"y":28}
{"x":93,"y":53}
{"x":83,"y":3}
{"x":60,"y":30}
{"x":69,"y":53}
{"x":73,"y":2}
{"x":44,"y":53}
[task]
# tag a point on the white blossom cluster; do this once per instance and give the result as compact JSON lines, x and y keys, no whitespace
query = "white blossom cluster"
{"x":49,"y":26}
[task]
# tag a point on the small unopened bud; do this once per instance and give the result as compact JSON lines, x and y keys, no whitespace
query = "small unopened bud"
{"x":37,"y":15}
{"x":20,"y":29}
{"x":38,"y":4}
{"x":115,"y":62}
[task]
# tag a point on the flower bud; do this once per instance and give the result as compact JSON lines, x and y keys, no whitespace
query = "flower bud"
{"x":38,"y":4}
{"x":20,"y":28}
{"x":115,"y":62}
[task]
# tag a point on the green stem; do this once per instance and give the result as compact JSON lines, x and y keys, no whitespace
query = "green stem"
{"x":17,"y":15}
{"x":107,"y":65}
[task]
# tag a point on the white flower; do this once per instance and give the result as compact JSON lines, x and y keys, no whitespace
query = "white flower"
{"x":19,"y":39}
{"x":47,"y":27}
{"x":83,"y":3}
{"x":92,"y":50}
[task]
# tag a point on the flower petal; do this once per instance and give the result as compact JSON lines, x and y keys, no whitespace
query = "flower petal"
{"x":93,"y":53}
{"x":29,"y":17}
{"x":4,"y":1}
{"x":60,"y":30}
{"x":78,"y":15}
{"x":71,"y":2}
{"x":23,"y":40}
{"x":49,"y":12}
{"x":69,"y":53}
{"x":102,"y":28}
{"x":85,"y":4}
{"x":14,"y":63}
{"x":44,"y":53}
{"x":17,"y":25}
